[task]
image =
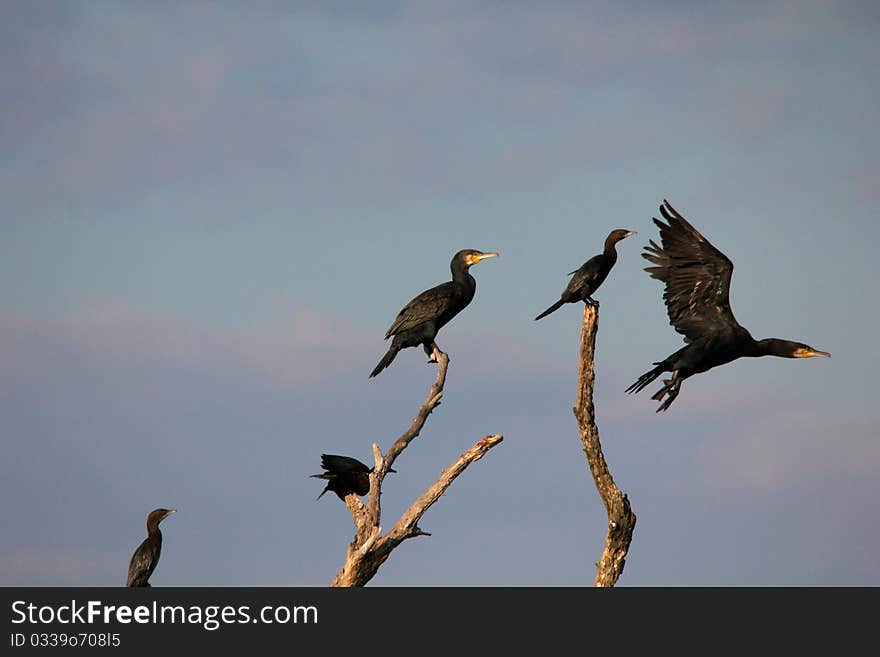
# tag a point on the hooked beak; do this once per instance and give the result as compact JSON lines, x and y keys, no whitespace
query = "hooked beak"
{"x":630,"y":233}
{"x":810,"y":353}
{"x":483,"y":256}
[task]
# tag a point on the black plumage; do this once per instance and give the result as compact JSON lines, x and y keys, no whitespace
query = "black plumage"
{"x":344,"y":475}
{"x":697,"y":277}
{"x":420,"y":320}
{"x":590,"y":275}
{"x":146,"y":556}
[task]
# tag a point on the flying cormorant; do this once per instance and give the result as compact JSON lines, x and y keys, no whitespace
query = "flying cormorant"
{"x":344,"y":475}
{"x":419,"y":320}
{"x":697,"y":280}
{"x":143,"y":561}
{"x":591,"y":274}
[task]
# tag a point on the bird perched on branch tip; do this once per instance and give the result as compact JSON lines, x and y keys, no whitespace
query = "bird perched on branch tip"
{"x":590,"y":275}
{"x":420,"y":320}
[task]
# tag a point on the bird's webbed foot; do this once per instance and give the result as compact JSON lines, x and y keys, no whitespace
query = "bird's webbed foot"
{"x":667,"y":403}
{"x":670,"y":390}
{"x":590,"y":301}
{"x":433,"y":351}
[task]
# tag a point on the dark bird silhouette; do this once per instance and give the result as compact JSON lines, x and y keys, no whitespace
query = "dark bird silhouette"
{"x":344,"y":475}
{"x":697,"y":298}
{"x":419,"y":320}
{"x":591,"y":274}
{"x":143,"y":561}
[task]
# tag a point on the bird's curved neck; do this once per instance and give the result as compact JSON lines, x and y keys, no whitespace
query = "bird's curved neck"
{"x":773,"y":347}
{"x":610,"y":249}
{"x":153,"y":528}
{"x":460,"y":274}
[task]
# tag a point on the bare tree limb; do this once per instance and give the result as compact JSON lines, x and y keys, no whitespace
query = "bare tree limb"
{"x":370,"y":549}
{"x":621,"y":519}
{"x":362,"y":563}
{"x":357,"y":509}
{"x":407,"y":525}
{"x":435,"y":394}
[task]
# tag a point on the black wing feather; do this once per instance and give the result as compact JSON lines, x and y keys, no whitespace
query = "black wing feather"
{"x":430,"y":304}
{"x":143,"y":562}
{"x":584,"y":279}
{"x":338,"y":464}
{"x":696,"y":275}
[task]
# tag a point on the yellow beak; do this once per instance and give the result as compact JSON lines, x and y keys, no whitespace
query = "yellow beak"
{"x":810,"y":353}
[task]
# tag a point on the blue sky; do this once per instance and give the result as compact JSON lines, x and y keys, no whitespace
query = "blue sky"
{"x":212,"y":213}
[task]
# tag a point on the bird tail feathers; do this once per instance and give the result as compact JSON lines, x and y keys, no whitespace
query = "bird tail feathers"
{"x":646,"y":378}
{"x":386,"y":360}
{"x":324,"y":475}
{"x":554,"y":307}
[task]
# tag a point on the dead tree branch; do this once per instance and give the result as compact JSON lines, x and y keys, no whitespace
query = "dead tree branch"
{"x":435,"y":394}
{"x":369,"y":549}
{"x":621,"y":519}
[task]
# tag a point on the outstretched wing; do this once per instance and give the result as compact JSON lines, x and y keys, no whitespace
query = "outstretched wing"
{"x":427,"y":305}
{"x":696,"y":275}
{"x":339,"y":464}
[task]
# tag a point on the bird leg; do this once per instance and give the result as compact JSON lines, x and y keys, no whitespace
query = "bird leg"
{"x":590,"y":301}
{"x":670,"y":388}
{"x":432,"y":350}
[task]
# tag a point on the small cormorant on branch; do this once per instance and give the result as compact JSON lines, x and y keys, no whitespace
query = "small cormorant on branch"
{"x":697,"y":298}
{"x":143,"y":561}
{"x":591,"y":274}
{"x":344,"y":475}
{"x":419,"y":320}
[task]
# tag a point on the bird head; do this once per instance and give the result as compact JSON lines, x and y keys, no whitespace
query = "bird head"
{"x":619,"y":234}
{"x":387,"y":471}
{"x":470,"y":257}
{"x":805,"y":351}
{"x":788,"y":349}
{"x":158,"y":515}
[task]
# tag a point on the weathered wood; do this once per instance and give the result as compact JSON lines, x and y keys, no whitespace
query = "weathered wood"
{"x":369,"y":549}
{"x":621,"y":519}
{"x":435,"y":394}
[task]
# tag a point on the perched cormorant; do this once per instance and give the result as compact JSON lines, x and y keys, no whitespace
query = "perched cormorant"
{"x":143,"y":561}
{"x":344,"y":475}
{"x":419,"y":320}
{"x":697,"y":280}
{"x":591,"y":274}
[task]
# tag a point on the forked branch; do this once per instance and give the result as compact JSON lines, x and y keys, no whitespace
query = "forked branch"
{"x":435,"y":394}
{"x":369,"y":549}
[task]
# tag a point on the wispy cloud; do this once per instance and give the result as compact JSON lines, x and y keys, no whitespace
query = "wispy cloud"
{"x":773,"y":450}
{"x":53,"y":566}
{"x":131,"y":132}
{"x":304,"y":346}
{"x":155,"y":103}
